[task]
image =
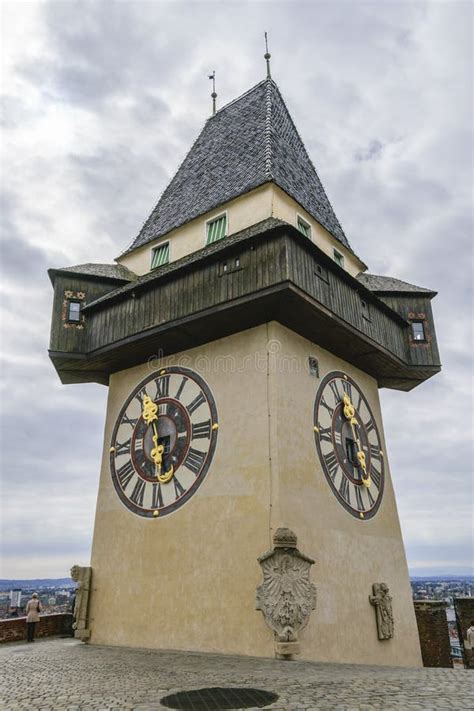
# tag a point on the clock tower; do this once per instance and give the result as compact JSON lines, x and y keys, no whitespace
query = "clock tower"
{"x":243,"y":343}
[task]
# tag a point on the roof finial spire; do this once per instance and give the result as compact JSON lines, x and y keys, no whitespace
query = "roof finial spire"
{"x":214,"y":95}
{"x":267,"y":56}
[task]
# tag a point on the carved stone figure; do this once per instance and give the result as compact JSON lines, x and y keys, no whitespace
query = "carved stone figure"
{"x":286,"y":596}
{"x":82,"y":577}
{"x":382,"y":602}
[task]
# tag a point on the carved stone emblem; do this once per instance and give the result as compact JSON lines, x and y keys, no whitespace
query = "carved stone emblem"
{"x":286,"y":596}
{"x":82,"y":577}
{"x":382,"y":602}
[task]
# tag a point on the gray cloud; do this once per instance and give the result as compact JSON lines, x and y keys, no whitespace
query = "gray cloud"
{"x":371,"y":152}
{"x":102,"y":102}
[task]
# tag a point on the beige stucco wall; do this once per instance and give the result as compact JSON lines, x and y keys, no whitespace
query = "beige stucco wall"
{"x":187,"y":581}
{"x":242,"y":212}
{"x":350,"y":554}
{"x":287,"y":209}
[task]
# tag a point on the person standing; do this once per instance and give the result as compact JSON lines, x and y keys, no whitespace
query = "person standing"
{"x":33,"y":609}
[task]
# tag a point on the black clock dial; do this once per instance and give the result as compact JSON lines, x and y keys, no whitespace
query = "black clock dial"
{"x":163,"y":442}
{"x":348,"y":445}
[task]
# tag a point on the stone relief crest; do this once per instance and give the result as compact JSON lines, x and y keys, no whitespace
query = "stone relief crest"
{"x":382,"y":602}
{"x":82,"y":577}
{"x":286,"y":597}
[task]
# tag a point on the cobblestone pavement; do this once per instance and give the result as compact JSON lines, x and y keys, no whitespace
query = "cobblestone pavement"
{"x":66,"y":674}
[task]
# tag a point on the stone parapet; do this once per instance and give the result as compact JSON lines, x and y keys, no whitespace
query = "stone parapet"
{"x":433,"y":631}
{"x":464,"y":607}
{"x":14,"y":628}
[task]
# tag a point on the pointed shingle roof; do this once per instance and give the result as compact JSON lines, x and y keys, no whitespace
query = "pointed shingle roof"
{"x":249,"y":142}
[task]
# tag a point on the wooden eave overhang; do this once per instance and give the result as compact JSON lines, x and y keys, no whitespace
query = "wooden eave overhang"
{"x":193,"y":301}
{"x":399,"y":292}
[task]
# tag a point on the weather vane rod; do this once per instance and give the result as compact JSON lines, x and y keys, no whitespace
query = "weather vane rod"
{"x":267,"y":57}
{"x":214,"y":95}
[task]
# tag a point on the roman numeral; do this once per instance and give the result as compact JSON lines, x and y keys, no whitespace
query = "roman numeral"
{"x":162,"y":386}
{"x":359,"y":401}
{"x":347,"y":387}
{"x":139,"y":396}
{"x":337,"y":438}
{"x":137,"y":494}
{"x":328,"y":407}
{"x":125,"y":473}
{"x":358,"y":492}
{"x":375,"y":451}
{"x":194,"y":460}
{"x":179,"y":490}
{"x":126,"y":420}
{"x":335,"y":391}
{"x":181,"y":388}
{"x":142,"y":461}
{"x":123,"y":448}
{"x":376,"y":477}
{"x":332,"y":464}
{"x":325,"y":434}
{"x":369,"y":425}
{"x":344,"y":489}
{"x":371,"y":498}
{"x":197,"y":402}
{"x":201,"y":430}
{"x":156,"y":497}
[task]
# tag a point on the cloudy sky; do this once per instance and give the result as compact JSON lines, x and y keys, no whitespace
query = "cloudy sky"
{"x":102,"y":99}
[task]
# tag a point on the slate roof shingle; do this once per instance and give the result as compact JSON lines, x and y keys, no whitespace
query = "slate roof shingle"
{"x":384,"y":284}
{"x":117,"y":272}
{"x":249,"y":142}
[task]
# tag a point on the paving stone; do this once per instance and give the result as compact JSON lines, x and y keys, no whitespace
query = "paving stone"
{"x":66,"y":675}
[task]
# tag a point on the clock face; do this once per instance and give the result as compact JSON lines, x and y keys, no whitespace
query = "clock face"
{"x":348,"y":445}
{"x":163,"y":442}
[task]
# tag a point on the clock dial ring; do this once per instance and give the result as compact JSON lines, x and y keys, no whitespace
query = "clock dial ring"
{"x":340,"y":408}
{"x":133,"y":468}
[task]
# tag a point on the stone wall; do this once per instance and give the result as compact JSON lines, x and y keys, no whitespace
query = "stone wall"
{"x":464,"y":607}
{"x":433,"y":631}
{"x":14,"y":629}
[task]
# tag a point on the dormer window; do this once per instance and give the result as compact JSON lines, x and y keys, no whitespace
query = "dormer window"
{"x":73,"y":311}
{"x":304,"y":227}
{"x":160,"y":255}
{"x":338,"y":258}
{"x":418,"y":331}
{"x":216,"y":229}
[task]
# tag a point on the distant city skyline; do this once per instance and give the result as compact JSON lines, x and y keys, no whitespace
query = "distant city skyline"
{"x":102,"y":101}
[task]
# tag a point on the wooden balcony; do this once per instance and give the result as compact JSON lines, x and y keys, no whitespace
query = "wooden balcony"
{"x":268,"y":272}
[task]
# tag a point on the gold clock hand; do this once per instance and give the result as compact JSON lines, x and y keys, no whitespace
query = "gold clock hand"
{"x":349,"y":414}
{"x":149,"y":411}
{"x":150,"y":416}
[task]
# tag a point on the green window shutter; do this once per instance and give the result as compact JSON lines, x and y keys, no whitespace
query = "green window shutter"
{"x":304,"y":228}
{"x":216,"y":229}
{"x":338,"y":258}
{"x":160,"y":256}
